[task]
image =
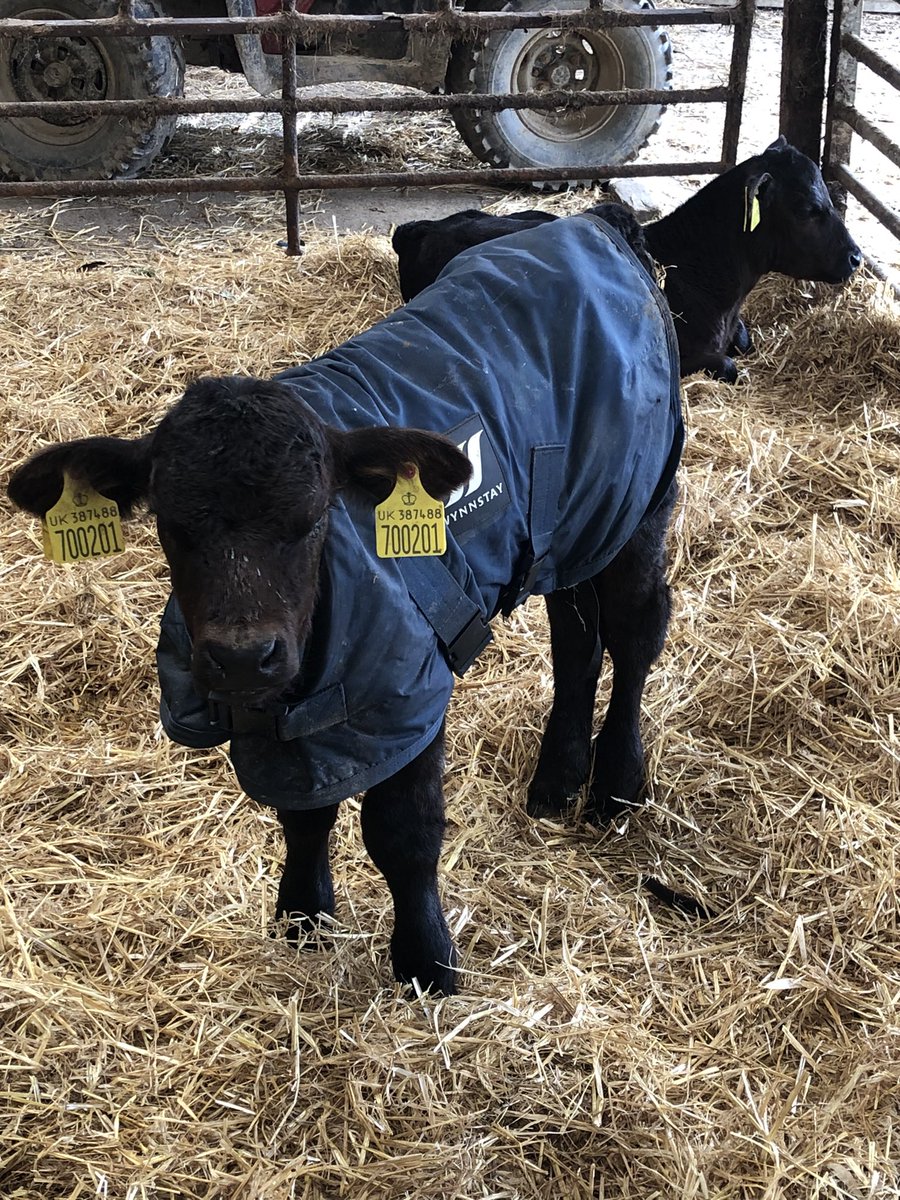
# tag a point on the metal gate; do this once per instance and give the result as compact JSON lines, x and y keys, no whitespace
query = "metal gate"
{"x":446,"y":21}
{"x":844,"y":120}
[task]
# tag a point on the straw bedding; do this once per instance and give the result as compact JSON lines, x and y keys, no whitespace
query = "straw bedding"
{"x":156,"y":1042}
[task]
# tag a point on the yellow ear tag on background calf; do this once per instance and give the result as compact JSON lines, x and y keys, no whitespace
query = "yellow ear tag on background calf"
{"x":751,"y":212}
{"x":410,"y":523}
{"x":81,"y":525}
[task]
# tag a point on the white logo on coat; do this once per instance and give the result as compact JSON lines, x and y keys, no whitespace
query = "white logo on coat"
{"x":471,"y":448}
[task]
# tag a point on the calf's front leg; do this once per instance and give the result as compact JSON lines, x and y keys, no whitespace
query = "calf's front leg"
{"x":305,"y":891}
{"x":403,"y":826}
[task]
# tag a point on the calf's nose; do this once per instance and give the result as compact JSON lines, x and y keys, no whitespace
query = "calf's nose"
{"x":245,"y":665}
{"x":854,"y":258}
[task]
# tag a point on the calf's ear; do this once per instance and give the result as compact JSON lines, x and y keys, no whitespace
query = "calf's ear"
{"x":118,"y":468}
{"x":757,"y":185}
{"x":372,"y":459}
{"x":754,"y":191}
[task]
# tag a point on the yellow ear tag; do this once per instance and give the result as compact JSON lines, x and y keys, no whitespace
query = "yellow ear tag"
{"x":81,"y":525}
{"x":410,"y":523}
{"x":751,"y":212}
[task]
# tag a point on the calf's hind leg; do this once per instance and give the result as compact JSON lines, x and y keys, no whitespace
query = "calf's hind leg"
{"x":403,"y":826}
{"x":633,"y":599}
{"x":305,"y":890}
{"x":565,"y":758}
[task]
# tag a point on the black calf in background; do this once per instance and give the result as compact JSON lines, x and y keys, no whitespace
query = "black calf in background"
{"x":713,"y":248}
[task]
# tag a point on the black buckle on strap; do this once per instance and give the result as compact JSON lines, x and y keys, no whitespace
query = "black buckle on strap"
{"x":468,"y":644}
{"x":224,"y":715}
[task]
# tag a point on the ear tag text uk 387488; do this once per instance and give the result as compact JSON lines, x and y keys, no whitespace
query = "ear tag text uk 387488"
{"x":751,"y":211}
{"x":81,"y":525}
{"x":410,"y":523}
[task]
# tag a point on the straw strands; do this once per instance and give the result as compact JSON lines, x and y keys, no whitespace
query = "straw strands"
{"x":156,"y":1043}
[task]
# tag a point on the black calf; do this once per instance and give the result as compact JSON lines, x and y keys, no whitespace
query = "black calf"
{"x":425,"y":247}
{"x":770,"y":213}
{"x":329,"y":666}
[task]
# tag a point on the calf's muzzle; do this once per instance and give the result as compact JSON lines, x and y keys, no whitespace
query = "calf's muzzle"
{"x":243,"y":665}
{"x":847,"y":263}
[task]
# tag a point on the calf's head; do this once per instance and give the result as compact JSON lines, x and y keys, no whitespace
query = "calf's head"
{"x":240,"y":475}
{"x":800,"y":233}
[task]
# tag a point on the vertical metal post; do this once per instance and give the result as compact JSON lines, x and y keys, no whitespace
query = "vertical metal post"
{"x":291,"y":161}
{"x":740,"y":52}
{"x":841,"y":90}
{"x":804,"y":41}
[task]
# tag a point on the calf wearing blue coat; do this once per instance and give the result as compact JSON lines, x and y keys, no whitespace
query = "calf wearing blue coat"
{"x":535,"y":387}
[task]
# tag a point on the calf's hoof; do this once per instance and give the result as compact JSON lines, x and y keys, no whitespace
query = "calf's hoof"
{"x":610,"y":807}
{"x":298,"y":929}
{"x":434,"y":970}
{"x":556,"y":785}
{"x":742,"y":343}
{"x":726,"y":370}
{"x":546,"y":802}
{"x":718,"y":366}
{"x":608,"y":802}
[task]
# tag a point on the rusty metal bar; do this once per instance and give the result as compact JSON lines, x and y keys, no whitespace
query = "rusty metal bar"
{"x":871,"y":59}
{"x":339,"y":104}
{"x":737,"y":82}
{"x":866,"y":129}
{"x":392,"y":179}
{"x":844,"y":119}
{"x":291,"y":160}
{"x":888,"y":218}
{"x":452,"y":23}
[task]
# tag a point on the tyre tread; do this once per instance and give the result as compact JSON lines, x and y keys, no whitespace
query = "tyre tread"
{"x":476,"y":131}
{"x":157,"y":66}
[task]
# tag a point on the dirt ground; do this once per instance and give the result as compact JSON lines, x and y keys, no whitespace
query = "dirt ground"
{"x":230,"y":145}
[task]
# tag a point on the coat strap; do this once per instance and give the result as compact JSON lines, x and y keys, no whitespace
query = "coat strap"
{"x":459,"y":623}
{"x":547,"y":473}
{"x":284,"y":722}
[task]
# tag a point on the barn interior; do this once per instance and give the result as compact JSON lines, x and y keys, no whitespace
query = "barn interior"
{"x":158,"y":1042}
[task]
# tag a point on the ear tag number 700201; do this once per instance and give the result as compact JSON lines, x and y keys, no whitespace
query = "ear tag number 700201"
{"x":81,"y":525}
{"x":410,"y":523}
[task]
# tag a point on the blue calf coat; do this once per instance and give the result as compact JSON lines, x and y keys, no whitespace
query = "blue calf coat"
{"x":549,"y":357}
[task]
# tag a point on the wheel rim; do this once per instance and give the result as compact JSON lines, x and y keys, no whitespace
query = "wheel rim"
{"x":63,"y":69}
{"x":581,"y":62}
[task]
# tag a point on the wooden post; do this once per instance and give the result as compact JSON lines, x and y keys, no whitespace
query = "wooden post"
{"x":804,"y":42}
{"x":841,"y":90}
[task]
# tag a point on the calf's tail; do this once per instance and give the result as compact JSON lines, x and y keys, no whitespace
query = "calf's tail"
{"x":678,"y":900}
